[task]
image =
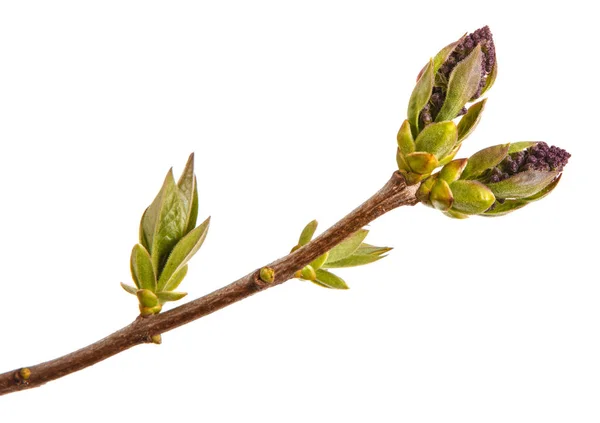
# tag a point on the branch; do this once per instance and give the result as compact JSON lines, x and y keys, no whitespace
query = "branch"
{"x":393,"y":194}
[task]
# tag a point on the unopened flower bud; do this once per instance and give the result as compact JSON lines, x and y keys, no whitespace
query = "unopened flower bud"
{"x":495,"y":180}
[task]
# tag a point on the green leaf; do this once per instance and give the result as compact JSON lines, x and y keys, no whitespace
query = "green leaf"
{"x":420,"y":97}
{"x":330,"y":280}
{"x":471,"y":197}
{"x":347,"y":246}
{"x":368,"y":249}
{"x":523,"y":184}
{"x":147,"y":298}
{"x":194,"y":210}
{"x":421,"y":162}
{"x":151,"y":216}
{"x":491,"y":78}
{"x":453,"y":170}
{"x":441,"y":195}
{"x":189,"y":192}
{"x":437,"y":139}
{"x":508,"y":206}
{"x":515,"y":147}
{"x":365,"y":254}
{"x":443,"y":54}
{"x":176,"y":279}
{"x":319,"y":261}
{"x":470,"y":120}
{"x":141,"y":268}
{"x":164,"y":297}
{"x":171,"y":224}
{"x":483,"y":160}
{"x":462,"y":86}
{"x":128,"y":288}
{"x":308,"y":232}
{"x":405,"y":140}
{"x":183,"y":252}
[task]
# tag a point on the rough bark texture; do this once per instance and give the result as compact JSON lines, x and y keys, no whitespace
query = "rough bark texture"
{"x":395,"y":193}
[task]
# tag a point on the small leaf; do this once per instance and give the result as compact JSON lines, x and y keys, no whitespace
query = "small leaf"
{"x":141,"y":268}
{"x":470,"y":120}
{"x":171,"y":224}
{"x":164,"y":297}
{"x":308,"y":273}
{"x":491,"y":78}
{"x":330,"y":280}
{"x":368,"y":249}
{"x":402,"y":165}
{"x":508,"y":206}
{"x":347,"y":246}
{"x":308,"y":232}
{"x":453,"y":170}
{"x":483,"y":160}
{"x":443,"y":54}
{"x":354,"y":260}
{"x":450,"y":156}
{"x":128,"y":288}
{"x":147,"y":298}
{"x":420,"y":97}
{"x":194,"y":210}
{"x":471,"y":197}
{"x":183,"y":252}
{"x":441,"y":195}
{"x":176,"y":279}
{"x":188,"y":190}
{"x":365,"y":254}
{"x":455,"y":215}
{"x":515,"y":147}
{"x":422,"y":163}
{"x":462,"y":86}
{"x":523,"y":184}
{"x":319,"y":261}
{"x":437,"y":139}
{"x":405,"y":140}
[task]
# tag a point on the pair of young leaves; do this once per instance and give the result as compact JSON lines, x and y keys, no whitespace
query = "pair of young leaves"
{"x":168,"y":239}
{"x":349,"y":253}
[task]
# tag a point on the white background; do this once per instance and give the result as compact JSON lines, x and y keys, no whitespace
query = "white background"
{"x":292,"y":109}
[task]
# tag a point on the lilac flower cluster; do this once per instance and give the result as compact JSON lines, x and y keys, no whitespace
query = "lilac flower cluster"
{"x":539,"y":157}
{"x":483,"y":37}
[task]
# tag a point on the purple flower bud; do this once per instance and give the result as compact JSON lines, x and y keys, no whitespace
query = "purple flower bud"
{"x":467,"y":44}
{"x":540,"y":157}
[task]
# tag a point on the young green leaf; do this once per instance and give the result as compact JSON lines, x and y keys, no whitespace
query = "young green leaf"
{"x":420,"y":96}
{"x":147,"y":298}
{"x":176,"y":279}
{"x":194,"y":210}
{"x":171,"y":224}
{"x":307,"y":233}
{"x":347,"y":246}
{"x":463,"y":84}
{"x":188,"y":190}
{"x":183,"y":252}
{"x":151,"y":216}
{"x":365,"y":254}
{"x":141,"y":268}
{"x":129,"y":289}
{"x":164,"y":297}
{"x":330,"y":280}
{"x":470,"y":120}
{"x":319,"y":261}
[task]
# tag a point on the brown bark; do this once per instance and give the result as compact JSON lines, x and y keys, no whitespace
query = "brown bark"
{"x":393,"y":194}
